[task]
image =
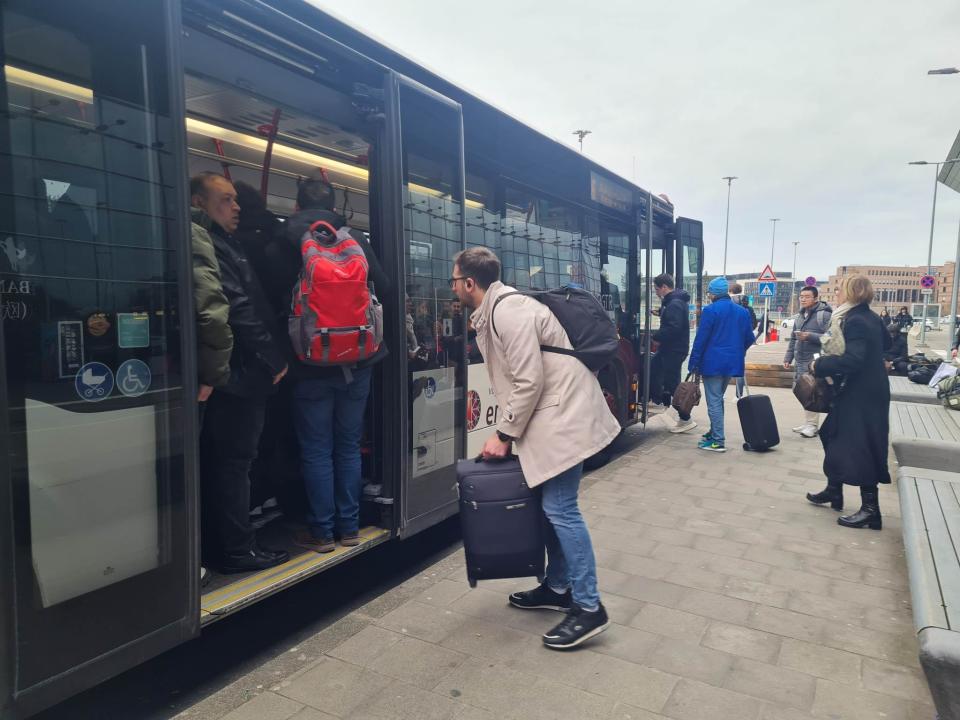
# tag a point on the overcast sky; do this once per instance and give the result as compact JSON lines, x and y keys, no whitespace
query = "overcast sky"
{"x":817,"y":106}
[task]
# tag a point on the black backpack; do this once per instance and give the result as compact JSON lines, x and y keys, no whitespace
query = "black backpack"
{"x":590,"y":330}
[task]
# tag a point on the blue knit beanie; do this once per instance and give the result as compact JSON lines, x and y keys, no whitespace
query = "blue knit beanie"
{"x":718,"y":286}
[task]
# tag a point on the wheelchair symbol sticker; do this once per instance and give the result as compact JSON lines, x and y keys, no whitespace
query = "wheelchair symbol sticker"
{"x":134,"y":378}
{"x":93,"y":382}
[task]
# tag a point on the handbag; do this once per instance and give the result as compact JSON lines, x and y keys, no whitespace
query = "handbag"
{"x":687,"y":394}
{"x":815,"y":394}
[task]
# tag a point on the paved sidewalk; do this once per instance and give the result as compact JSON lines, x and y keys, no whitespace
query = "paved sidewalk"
{"x":733,"y":599}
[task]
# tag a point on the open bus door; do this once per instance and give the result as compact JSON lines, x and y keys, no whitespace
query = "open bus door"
{"x":688,"y":259}
{"x":97,"y":485}
{"x":431,"y":192}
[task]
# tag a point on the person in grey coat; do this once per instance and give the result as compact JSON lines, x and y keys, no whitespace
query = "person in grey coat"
{"x":809,"y":325}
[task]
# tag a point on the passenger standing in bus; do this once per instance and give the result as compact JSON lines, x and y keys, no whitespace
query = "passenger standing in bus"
{"x":674,"y":340}
{"x":235,"y":413}
{"x":214,"y":336}
{"x":554,"y":413}
{"x":330,"y":402}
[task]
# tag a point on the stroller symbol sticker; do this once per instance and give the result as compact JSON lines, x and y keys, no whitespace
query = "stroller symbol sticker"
{"x":133,"y":378}
{"x":93,"y":382}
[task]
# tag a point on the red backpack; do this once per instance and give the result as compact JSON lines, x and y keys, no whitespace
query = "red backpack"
{"x":335,"y":317}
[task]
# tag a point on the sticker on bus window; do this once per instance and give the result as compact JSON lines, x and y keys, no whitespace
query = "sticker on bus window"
{"x":133,"y":330}
{"x":134,"y":378}
{"x":94,"y":382}
{"x":70,"y":347}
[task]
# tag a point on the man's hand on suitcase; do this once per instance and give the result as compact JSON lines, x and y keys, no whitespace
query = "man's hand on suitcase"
{"x":495,"y":449}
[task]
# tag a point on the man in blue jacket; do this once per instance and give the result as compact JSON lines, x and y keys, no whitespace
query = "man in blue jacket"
{"x":719,"y":349}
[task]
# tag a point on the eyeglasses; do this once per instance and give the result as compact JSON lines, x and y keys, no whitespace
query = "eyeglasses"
{"x":453,"y":281}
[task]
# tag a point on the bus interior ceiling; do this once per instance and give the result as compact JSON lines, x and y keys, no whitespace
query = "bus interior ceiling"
{"x":228,"y":132}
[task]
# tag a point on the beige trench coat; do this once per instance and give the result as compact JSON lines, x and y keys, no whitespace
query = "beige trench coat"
{"x":551,"y":403}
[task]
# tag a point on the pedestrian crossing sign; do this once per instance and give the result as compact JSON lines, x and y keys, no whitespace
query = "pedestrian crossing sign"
{"x":768,"y":289}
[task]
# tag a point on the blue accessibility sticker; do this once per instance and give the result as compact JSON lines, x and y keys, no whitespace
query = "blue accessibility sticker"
{"x":431,"y":388}
{"x":134,"y":378}
{"x":93,"y":382}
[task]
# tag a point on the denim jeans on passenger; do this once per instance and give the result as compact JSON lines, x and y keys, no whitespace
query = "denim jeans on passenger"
{"x":570,"y":560}
{"x":329,"y":416}
{"x":714,"y":388}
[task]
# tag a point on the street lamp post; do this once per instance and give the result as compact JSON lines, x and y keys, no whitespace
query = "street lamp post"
{"x":581,"y":134}
{"x":773,"y":240}
{"x":933,"y":217}
{"x":953,"y":297}
{"x":793,"y":277}
{"x":726,"y":231}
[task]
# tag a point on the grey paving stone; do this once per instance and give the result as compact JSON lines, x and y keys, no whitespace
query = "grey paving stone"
{"x":692,"y":576}
{"x":787,"y":623}
{"x":468,"y":712}
{"x":655,"y":591}
{"x":809,"y":547}
{"x":800,"y":580}
{"x":680,"y":554}
{"x":421,"y":621}
{"x":757,"y":592}
{"x":697,"y":701}
{"x":366,"y":645}
{"x":896,"y":680}
{"x":890,"y":579}
{"x":400,"y":701}
{"x":879,"y":597}
{"x":702,"y":527}
{"x":634,"y":564}
{"x":871,"y":643}
{"x":738,"y":567}
{"x":494,"y":607}
{"x":837,"y":569}
{"x":417,"y":662}
{"x":630,"y":544}
{"x":630,"y":683}
{"x":742,"y":642}
{"x":834,"y":700}
{"x":265,"y":706}
{"x":443,"y":593}
{"x":772,"y":556}
{"x":626,"y":643}
{"x":780,"y":712}
{"x":670,"y":536}
{"x":335,"y":687}
{"x":621,"y":609}
{"x":691,"y":660}
{"x":899,"y":621}
{"x":483,"y":639}
{"x":566,"y":667}
{"x":771,"y":683}
{"x":623,"y":711}
{"x":670,"y":622}
{"x":819,"y":661}
{"x":309,"y":713}
{"x":828,"y":608}
{"x":718,"y":607}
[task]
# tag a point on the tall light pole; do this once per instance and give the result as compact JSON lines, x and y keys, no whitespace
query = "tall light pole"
{"x":726,"y":232}
{"x":953,"y":297}
{"x":933,"y":217}
{"x":581,"y":134}
{"x":793,"y":277}
{"x":943,"y":71}
{"x":773,"y":240}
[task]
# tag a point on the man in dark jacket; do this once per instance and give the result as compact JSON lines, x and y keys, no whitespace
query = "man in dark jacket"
{"x":722,"y":341}
{"x":214,"y":337}
{"x":330,"y":402}
{"x":674,"y":340}
{"x":235,"y":413}
{"x":896,"y":355}
{"x":809,"y":325}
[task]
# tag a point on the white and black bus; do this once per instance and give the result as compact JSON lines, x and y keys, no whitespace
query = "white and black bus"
{"x":108,"y":107}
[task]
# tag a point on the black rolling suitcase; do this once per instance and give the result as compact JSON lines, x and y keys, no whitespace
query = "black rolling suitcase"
{"x":502,"y":521}
{"x":758,"y":422}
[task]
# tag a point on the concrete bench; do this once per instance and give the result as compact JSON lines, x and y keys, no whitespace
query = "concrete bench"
{"x":930,"y":508}
{"x":904,"y":390}
{"x":928,"y":422}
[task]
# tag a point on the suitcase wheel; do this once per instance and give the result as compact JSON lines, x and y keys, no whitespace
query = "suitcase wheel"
{"x":472,"y":581}
{"x":746,"y":446}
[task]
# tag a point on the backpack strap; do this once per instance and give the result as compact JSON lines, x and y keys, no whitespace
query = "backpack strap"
{"x":493,"y":321}
{"x":543,"y":348}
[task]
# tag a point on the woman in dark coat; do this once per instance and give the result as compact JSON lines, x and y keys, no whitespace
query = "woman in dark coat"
{"x":856,"y":431}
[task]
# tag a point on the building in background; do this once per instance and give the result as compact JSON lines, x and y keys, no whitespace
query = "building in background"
{"x":899,"y":285}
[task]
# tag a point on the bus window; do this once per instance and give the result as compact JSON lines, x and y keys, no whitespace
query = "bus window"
{"x":614,"y":274}
{"x":90,"y":190}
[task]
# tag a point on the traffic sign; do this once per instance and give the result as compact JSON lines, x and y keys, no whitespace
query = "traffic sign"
{"x":928,"y":282}
{"x":768,"y":290}
{"x":767,"y":275}
{"x":810,"y":281}
{"x":926,"y":291}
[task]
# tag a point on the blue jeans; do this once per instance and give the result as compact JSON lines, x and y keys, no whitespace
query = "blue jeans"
{"x":740,"y":383}
{"x":570,"y":560}
{"x":329,"y":420}
{"x":714,"y":387}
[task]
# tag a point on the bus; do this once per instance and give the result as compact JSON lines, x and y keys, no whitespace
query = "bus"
{"x":108,"y":108}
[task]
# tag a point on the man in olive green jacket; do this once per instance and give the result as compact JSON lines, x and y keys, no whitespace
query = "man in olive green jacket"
{"x":214,"y":337}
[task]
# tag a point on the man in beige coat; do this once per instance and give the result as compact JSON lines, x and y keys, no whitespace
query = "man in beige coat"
{"x":555,"y":416}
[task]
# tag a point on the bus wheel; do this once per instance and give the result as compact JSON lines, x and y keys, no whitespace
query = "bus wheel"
{"x":598,"y":460}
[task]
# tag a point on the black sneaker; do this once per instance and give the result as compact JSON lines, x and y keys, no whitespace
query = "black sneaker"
{"x":542,"y":598}
{"x":253,"y":560}
{"x":577,"y":627}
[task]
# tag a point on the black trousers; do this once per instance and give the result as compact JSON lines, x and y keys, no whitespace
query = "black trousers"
{"x":668,"y":367}
{"x":228,"y":446}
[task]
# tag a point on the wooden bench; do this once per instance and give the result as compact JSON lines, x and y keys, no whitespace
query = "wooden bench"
{"x":768,"y":375}
{"x":927,"y":422}
{"x":904,"y":390}
{"x":930,"y":508}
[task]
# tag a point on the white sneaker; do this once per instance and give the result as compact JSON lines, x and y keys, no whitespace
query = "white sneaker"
{"x":683,"y":426}
{"x":800,"y":428}
{"x":809,"y":431}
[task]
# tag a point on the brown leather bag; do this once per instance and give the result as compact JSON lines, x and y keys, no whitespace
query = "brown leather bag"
{"x":687,"y":395}
{"x":815,"y":394}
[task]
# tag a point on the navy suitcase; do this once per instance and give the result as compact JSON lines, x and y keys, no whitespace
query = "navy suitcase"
{"x":758,"y":422}
{"x":502,"y":521}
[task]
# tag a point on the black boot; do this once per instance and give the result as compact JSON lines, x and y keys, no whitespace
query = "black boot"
{"x":832,"y":494}
{"x":869,"y":513}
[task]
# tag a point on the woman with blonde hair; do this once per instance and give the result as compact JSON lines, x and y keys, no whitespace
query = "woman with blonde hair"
{"x":856,"y":430}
